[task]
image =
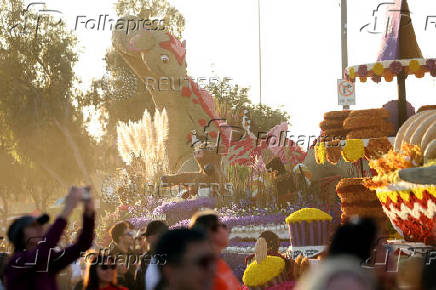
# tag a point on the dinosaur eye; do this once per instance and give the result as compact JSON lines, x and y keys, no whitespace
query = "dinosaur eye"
{"x":164,"y":58}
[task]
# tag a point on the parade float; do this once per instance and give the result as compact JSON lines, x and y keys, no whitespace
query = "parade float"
{"x":409,"y":207}
{"x":253,"y":181}
{"x":203,"y":152}
{"x":355,"y":137}
{"x":270,"y":177}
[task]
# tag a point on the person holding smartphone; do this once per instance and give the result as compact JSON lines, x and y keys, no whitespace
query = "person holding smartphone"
{"x":37,"y":259}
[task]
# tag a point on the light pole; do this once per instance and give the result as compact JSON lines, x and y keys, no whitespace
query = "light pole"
{"x":344,"y":41}
{"x":260,"y":55}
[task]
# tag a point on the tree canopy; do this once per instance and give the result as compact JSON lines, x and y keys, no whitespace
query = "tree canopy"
{"x":41,"y":123}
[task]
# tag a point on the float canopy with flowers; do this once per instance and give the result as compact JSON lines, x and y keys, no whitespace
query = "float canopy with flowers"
{"x":399,"y":56}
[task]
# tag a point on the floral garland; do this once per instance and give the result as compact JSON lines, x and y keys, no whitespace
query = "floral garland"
{"x":353,"y":150}
{"x":389,"y":69}
{"x":259,"y":274}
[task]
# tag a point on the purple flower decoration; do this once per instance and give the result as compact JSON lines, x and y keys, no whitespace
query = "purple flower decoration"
{"x":363,"y":70}
{"x":236,"y":262}
{"x":179,"y":210}
{"x":181,"y":224}
{"x":169,"y":207}
{"x":431,"y":66}
{"x":140,"y":222}
{"x":234,"y":221}
{"x":396,"y":67}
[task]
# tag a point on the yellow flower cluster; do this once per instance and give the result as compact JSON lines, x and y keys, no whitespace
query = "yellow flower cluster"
{"x":259,"y":274}
{"x":353,"y":150}
{"x":320,"y":153}
{"x":308,"y":215}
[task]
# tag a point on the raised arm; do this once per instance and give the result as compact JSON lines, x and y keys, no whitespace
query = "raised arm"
{"x":39,"y":257}
{"x":84,"y":241}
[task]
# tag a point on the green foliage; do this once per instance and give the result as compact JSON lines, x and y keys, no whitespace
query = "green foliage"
{"x":43,"y":128}
{"x":232,"y":101}
{"x":154,"y":9}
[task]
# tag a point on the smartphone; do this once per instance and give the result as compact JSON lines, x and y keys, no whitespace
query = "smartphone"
{"x":86,"y":193}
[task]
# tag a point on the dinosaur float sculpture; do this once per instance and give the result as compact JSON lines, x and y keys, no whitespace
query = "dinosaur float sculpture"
{"x":158,"y":58}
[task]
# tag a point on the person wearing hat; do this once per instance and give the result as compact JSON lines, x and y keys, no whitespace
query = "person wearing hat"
{"x":36,"y":259}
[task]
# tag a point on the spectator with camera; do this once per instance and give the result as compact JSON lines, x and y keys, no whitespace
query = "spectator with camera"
{"x":37,"y":259}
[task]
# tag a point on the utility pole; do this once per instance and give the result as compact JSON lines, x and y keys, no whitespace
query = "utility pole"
{"x":260,"y":55}
{"x":344,"y":45}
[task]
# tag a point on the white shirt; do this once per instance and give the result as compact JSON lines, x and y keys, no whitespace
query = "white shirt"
{"x":152,"y":275}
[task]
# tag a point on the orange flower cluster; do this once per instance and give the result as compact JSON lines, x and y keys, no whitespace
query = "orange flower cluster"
{"x":388,"y":166}
{"x":377,"y":147}
{"x":381,"y":180}
{"x":409,"y":156}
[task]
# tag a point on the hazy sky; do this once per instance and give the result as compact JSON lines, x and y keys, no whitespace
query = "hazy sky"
{"x":300,"y":50}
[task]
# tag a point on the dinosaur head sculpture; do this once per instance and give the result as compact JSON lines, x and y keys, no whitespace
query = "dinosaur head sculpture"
{"x":151,"y":53}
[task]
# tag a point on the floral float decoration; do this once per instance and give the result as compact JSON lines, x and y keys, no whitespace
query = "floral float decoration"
{"x":411,"y":208}
{"x":264,"y":271}
{"x":399,"y":56}
{"x":391,"y":68}
{"x":180,"y":210}
{"x":352,"y":150}
{"x":320,"y":152}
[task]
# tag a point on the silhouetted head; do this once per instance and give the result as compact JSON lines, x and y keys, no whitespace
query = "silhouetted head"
{"x":356,"y":238}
